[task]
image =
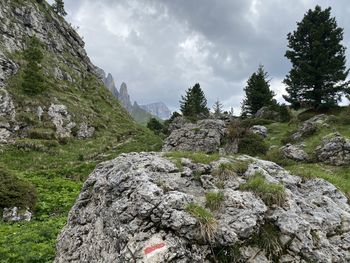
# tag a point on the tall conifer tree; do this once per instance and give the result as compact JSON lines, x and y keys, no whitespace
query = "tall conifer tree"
{"x":257,"y":93}
{"x":317,"y":77}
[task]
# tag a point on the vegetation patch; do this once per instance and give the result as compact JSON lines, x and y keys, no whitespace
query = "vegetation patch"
{"x":15,"y":191}
{"x":206,"y":220}
{"x":270,"y":193}
{"x":252,"y":144}
{"x":268,"y":240}
{"x":196,"y":157}
{"x":214,"y":200}
{"x":225,"y":170}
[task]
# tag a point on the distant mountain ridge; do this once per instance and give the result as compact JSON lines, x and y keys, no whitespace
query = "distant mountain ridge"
{"x":141,"y":113}
{"x":158,"y":109}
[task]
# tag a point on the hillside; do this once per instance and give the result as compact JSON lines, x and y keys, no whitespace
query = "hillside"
{"x":53,"y":139}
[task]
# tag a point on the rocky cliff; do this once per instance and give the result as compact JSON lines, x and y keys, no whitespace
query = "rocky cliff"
{"x":75,"y":103}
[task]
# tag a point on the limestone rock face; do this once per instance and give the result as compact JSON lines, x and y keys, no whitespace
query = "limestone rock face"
{"x":205,"y":136}
{"x":85,"y":131}
{"x":15,"y":215}
{"x":335,"y":150}
{"x":267,"y":113}
{"x":135,"y":209}
{"x":294,"y":152}
{"x":124,"y":97}
{"x":260,"y":130}
{"x":61,"y":118}
{"x":310,"y":126}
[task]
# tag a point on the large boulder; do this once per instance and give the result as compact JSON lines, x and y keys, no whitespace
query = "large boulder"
{"x":259,"y":130}
{"x":310,"y":126}
{"x":294,"y":152}
{"x":136,"y":208}
{"x":268,"y":113}
{"x":334,"y":150}
{"x":205,"y":136}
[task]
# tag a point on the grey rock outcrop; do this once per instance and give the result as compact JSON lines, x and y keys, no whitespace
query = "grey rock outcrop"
{"x":135,"y":209}
{"x":267,"y":113}
{"x":61,"y":118}
{"x":310,"y":126}
{"x":205,"y":135}
{"x":110,"y":84}
{"x":294,"y":152}
{"x":124,"y":97}
{"x":15,"y":215}
{"x":85,"y":131}
{"x":334,"y":150}
{"x":260,"y":130}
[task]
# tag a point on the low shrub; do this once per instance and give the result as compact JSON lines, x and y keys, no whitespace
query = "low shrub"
{"x":270,"y":193}
{"x":41,"y":133}
{"x":15,"y":192}
{"x":252,"y":144}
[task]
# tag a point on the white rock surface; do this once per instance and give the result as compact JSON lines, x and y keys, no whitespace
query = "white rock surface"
{"x":133,"y":209}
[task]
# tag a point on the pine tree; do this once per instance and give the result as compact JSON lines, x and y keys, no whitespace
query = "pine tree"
{"x":58,"y":7}
{"x":33,"y":81}
{"x":217,"y":108}
{"x":257,"y":93}
{"x":155,"y":125}
{"x":317,"y":77}
{"x":194,"y":104}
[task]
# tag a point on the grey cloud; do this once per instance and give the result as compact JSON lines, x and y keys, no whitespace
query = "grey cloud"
{"x":161,"y":47}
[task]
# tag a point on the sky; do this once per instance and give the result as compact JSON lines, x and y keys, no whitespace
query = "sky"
{"x":160,"y":48}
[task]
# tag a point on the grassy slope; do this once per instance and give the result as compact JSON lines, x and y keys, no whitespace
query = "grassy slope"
{"x":58,"y":172}
{"x":339,"y":176}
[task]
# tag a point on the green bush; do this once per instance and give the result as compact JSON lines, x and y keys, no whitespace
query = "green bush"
{"x":270,"y":193}
{"x":155,"y":125}
{"x":41,"y":133}
{"x":252,"y":144}
{"x":15,"y":192}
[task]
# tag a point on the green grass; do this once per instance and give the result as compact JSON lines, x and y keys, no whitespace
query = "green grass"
{"x":270,"y":193}
{"x":205,"y":218}
{"x":339,"y":176}
{"x":225,"y":170}
{"x":196,"y":157}
{"x":214,"y":200}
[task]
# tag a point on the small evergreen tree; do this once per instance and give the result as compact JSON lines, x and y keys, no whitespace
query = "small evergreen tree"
{"x":217,"y":108}
{"x":194,"y":104}
{"x":33,"y":81}
{"x":58,"y":7}
{"x":318,"y":73}
{"x":257,"y":93}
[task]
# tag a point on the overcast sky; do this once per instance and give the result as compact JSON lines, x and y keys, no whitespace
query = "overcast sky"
{"x":162,"y":47}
